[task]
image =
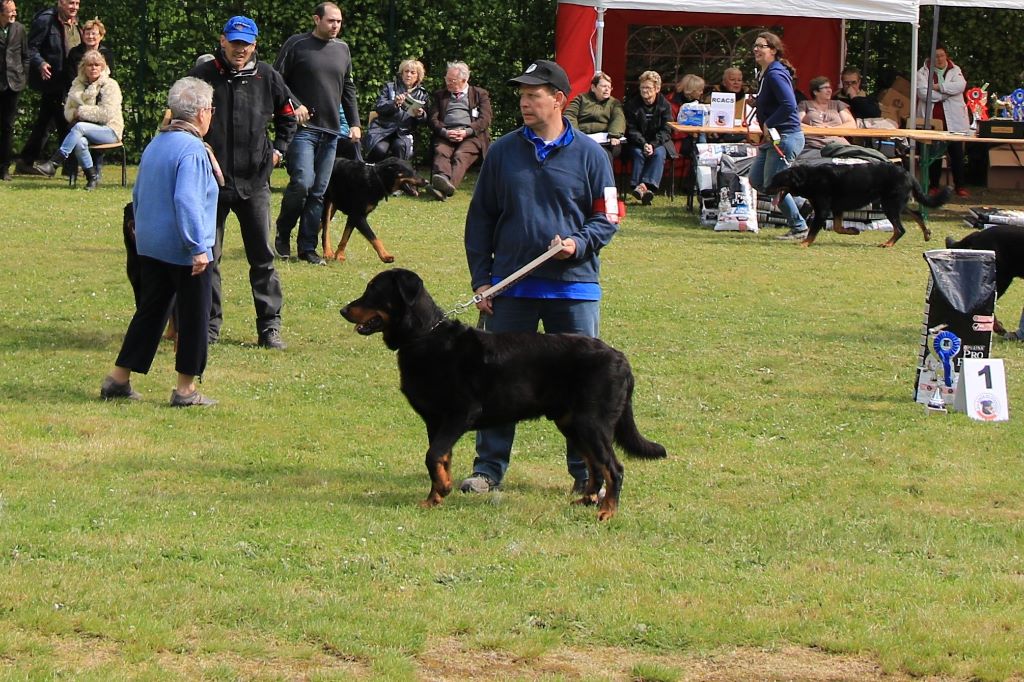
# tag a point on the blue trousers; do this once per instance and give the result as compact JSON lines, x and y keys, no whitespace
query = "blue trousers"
{"x":494,"y":445}
{"x":647,"y":169}
{"x":310,"y":162}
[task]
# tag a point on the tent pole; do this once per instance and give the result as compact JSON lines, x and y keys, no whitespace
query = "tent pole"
{"x":912,"y":123}
{"x":926,"y":160}
{"x":599,"y":58}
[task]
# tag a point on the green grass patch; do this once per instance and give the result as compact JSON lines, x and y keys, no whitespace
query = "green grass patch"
{"x":808,"y":503}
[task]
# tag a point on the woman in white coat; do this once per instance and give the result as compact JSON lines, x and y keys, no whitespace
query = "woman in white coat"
{"x":948,"y":105}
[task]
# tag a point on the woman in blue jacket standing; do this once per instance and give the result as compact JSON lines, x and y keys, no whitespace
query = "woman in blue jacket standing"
{"x":175,"y":200}
{"x":776,"y":109}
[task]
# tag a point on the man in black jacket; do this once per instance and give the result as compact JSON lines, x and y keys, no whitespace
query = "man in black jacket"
{"x":13,"y":72}
{"x":54,"y":31}
{"x":247,"y":93}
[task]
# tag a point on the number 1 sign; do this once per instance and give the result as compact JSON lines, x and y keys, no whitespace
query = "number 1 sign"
{"x":981,"y":390}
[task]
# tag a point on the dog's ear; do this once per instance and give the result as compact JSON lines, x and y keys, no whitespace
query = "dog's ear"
{"x":409,"y":285}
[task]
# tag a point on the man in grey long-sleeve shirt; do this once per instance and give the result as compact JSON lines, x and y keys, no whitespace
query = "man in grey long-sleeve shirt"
{"x":317,"y":68}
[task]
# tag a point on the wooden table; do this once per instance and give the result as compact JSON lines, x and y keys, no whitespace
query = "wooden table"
{"x":878,"y":133}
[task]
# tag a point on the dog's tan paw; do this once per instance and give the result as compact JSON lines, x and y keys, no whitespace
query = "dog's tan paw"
{"x":431,"y":501}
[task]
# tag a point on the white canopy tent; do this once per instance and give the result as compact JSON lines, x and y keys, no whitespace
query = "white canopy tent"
{"x":904,"y":11}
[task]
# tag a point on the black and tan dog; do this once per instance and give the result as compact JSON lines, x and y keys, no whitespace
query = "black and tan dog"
{"x":1008,"y":243}
{"x":836,"y":188}
{"x":355,"y":189}
{"x":458,"y":379}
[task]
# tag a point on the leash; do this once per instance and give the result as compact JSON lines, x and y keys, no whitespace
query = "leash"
{"x":496,"y":289}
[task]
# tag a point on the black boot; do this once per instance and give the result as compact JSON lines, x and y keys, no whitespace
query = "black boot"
{"x":50,"y":166}
{"x":92,"y":178}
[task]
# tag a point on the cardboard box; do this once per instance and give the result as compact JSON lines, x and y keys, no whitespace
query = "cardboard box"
{"x":1002,"y":128}
{"x":894,"y":99}
{"x":902,"y":86}
{"x":891,"y":114}
{"x":960,"y":298}
{"x":1006,"y":167}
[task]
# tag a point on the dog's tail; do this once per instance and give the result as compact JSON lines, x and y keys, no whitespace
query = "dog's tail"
{"x":628,"y":436}
{"x":926,"y":199}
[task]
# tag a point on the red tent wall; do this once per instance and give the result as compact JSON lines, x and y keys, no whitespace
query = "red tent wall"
{"x":812,"y":45}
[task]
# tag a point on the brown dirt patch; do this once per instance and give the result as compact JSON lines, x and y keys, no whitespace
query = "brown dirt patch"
{"x":449,"y":660}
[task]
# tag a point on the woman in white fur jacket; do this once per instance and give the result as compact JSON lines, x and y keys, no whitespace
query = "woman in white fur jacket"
{"x":93,"y":108}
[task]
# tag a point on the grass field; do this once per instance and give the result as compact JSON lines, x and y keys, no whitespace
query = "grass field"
{"x":812,"y":522}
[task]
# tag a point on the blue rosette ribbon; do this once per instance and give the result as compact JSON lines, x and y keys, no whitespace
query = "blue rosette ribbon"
{"x":1017,"y":98}
{"x":946,"y":345}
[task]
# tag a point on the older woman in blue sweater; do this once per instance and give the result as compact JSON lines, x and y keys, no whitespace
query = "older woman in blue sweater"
{"x":175,"y":201}
{"x":776,"y":109}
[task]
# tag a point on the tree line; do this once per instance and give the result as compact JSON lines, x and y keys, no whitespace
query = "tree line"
{"x":157,"y":42}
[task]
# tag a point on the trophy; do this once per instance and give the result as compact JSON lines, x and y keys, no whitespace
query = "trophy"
{"x":943,"y":347}
{"x":977,"y":104}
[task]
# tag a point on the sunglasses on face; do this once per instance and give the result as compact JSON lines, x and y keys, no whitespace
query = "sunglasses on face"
{"x":761,"y":46}
{"x":849,"y":83}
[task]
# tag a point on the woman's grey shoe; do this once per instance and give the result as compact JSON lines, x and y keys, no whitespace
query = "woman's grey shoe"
{"x":794,"y":235}
{"x":193,"y":399}
{"x":111,"y":390}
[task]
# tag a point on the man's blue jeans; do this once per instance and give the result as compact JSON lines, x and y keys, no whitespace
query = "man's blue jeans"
{"x":310,"y":161}
{"x":81,"y":135}
{"x":559,"y":316}
{"x":768,"y":163}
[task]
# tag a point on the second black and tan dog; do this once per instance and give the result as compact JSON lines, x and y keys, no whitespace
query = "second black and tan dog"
{"x":458,"y":379}
{"x":355,"y":189}
{"x":834,"y":188}
{"x":1008,"y":243}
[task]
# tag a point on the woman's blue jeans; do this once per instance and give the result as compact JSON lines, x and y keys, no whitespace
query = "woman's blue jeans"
{"x":81,"y":135}
{"x":768,"y":163}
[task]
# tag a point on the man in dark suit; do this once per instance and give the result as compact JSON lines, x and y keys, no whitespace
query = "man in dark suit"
{"x":459,"y":117}
{"x":53,"y":32}
{"x":13,"y":75}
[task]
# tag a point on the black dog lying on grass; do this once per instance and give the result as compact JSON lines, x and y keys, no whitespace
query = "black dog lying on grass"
{"x":835,"y":188}
{"x":355,"y":189}
{"x":458,"y":378}
{"x":134,"y":269}
{"x":1008,"y":243}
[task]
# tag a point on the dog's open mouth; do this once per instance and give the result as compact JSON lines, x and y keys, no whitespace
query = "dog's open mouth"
{"x":370,"y":326}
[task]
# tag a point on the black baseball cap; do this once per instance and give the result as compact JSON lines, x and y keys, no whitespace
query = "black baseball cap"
{"x":543,"y":72}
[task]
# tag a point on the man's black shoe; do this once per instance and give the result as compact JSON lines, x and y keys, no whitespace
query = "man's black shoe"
{"x":283,"y":248}
{"x":271,"y":338}
{"x":312,"y":257}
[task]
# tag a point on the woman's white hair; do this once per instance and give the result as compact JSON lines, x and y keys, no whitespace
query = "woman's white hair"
{"x":188,"y":96}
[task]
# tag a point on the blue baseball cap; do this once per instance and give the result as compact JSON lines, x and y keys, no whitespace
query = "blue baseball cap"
{"x":241,"y":28}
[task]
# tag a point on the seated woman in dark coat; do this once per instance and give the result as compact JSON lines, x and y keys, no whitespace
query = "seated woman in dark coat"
{"x":400,"y":107}
{"x":650,"y":137}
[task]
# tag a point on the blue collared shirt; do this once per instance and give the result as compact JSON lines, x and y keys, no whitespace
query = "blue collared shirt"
{"x":543,"y":148}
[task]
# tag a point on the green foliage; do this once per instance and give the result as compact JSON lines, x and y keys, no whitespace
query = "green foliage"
{"x":157,"y":41}
{"x":970,"y":35}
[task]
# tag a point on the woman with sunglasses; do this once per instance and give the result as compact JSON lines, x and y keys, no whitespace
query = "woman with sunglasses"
{"x":777,"y":110}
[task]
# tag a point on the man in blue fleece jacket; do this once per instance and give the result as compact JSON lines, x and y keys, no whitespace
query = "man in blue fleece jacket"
{"x":542,"y":184}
